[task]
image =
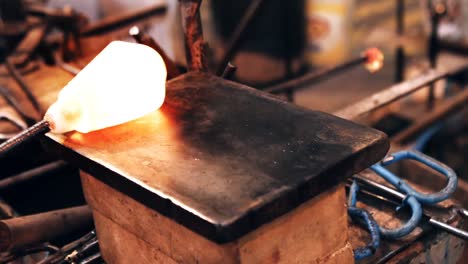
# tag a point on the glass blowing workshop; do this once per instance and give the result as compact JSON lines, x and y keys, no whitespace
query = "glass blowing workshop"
{"x":233,"y":131}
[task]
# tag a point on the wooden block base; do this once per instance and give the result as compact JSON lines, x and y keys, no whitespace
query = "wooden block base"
{"x":129,"y":232}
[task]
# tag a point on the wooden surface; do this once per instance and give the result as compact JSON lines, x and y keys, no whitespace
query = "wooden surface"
{"x":222,"y":158}
{"x":312,"y":233}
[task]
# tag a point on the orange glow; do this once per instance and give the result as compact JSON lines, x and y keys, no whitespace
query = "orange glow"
{"x":123,"y":82}
{"x":375,"y":60}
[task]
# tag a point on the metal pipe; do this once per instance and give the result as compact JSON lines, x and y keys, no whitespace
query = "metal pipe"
{"x":19,"y":232}
{"x":37,"y":129}
{"x":195,"y":46}
{"x":396,"y":92}
{"x":239,"y":34}
{"x":116,"y":22}
{"x":32,"y":174}
{"x":309,"y":78}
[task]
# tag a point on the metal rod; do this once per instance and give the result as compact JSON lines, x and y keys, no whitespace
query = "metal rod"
{"x":437,"y":12}
{"x":32,"y":174}
{"x":229,"y":71}
{"x":145,"y":39}
{"x":37,"y":129}
{"x":22,"y":84}
{"x":400,"y":52}
{"x":92,"y":259}
{"x":396,"y":92}
{"x":239,"y":35}
{"x":450,"y":106}
{"x":313,"y":77}
{"x":193,"y":34}
{"x":116,"y":22}
{"x":397,"y":195}
{"x":33,"y":229}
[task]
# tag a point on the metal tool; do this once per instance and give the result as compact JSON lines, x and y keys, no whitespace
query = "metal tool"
{"x":414,"y":198}
{"x":397,"y":197}
{"x":370,"y":223}
{"x":26,"y":135}
{"x":239,"y":34}
{"x":59,"y":257}
{"x":368,"y":57}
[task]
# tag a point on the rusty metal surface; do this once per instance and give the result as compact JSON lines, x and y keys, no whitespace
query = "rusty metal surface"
{"x":222,"y":158}
{"x":195,"y":46}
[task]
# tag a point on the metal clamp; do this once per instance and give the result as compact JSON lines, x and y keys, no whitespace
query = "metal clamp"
{"x":370,"y":223}
{"x":406,"y":188}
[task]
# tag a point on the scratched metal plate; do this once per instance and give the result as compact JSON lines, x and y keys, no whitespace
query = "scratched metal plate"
{"x":222,"y":158}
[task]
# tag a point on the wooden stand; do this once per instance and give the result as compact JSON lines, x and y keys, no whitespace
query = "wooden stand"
{"x":130,"y":232}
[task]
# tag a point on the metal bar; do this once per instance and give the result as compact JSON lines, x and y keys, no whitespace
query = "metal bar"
{"x":450,"y":106}
{"x":239,"y":34}
{"x":313,"y":77}
{"x":33,"y":229}
{"x":145,"y":39}
{"x":396,"y":92}
{"x":39,"y":128}
{"x":400,"y":52}
{"x":193,"y":34}
{"x":22,"y":84}
{"x":115,"y":22}
{"x":32,"y":174}
{"x":437,"y":11}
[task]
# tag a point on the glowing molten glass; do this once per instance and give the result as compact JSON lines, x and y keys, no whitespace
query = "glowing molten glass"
{"x":124,"y":82}
{"x":374,"y":60}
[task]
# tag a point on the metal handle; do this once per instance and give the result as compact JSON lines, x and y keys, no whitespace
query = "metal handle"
{"x":406,"y":188}
{"x":405,"y":229}
{"x":370,"y":223}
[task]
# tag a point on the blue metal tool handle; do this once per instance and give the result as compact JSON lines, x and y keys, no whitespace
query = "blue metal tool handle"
{"x":410,"y":225}
{"x":406,"y":188}
{"x":405,"y":229}
{"x":371,"y":225}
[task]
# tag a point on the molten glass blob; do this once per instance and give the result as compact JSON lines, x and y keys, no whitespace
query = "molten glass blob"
{"x":375,"y":60}
{"x":123,"y":82}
